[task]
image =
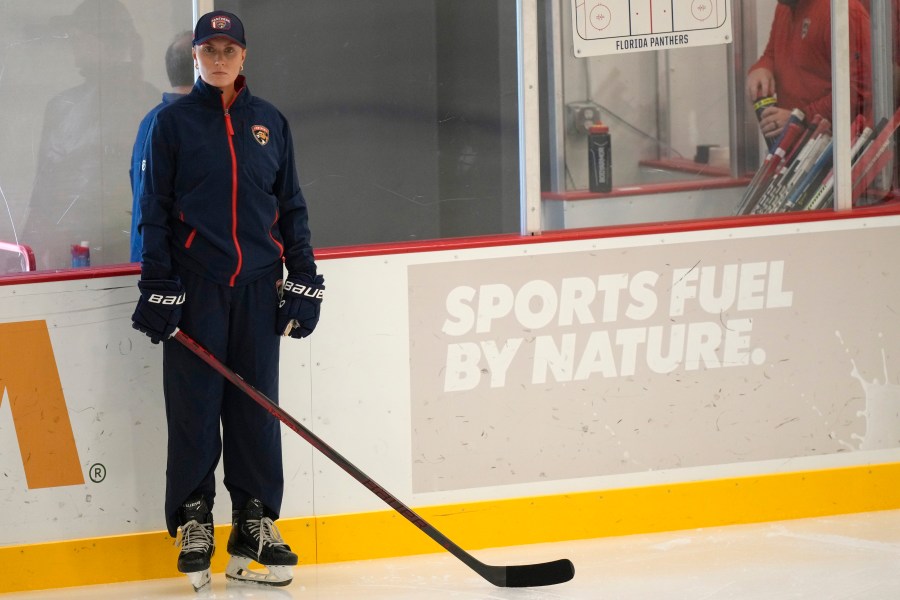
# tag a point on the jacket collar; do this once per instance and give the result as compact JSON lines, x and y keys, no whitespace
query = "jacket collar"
{"x":212,"y":95}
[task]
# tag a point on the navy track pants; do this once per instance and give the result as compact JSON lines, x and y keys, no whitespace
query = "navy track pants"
{"x":209,"y":417}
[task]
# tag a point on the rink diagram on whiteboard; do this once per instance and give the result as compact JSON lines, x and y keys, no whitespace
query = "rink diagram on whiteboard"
{"x":615,"y":26}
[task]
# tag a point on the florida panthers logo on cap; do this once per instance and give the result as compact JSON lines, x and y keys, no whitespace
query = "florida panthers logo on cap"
{"x":220,"y":23}
{"x":261,"y":134}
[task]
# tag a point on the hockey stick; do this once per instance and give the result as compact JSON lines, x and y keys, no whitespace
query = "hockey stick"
{"x":549,"y":573}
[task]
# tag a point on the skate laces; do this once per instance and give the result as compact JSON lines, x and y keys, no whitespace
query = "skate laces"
{"x":195,"y":537}
{"x":264,"y":529}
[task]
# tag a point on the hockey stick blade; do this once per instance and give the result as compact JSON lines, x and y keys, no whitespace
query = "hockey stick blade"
{"x":549,"y":573}
{"x":540,"y":574}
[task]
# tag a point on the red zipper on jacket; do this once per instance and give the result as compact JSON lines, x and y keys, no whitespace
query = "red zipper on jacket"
{"x":234,"y":189}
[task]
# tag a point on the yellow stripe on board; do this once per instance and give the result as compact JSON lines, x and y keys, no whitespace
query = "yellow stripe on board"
{"x":119,"y":558}
{"x":510,"y":522}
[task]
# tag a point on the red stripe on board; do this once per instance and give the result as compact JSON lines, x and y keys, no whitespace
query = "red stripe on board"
{"x":890,"y":208}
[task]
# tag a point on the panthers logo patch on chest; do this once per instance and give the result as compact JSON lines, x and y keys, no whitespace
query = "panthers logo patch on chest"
{"x":260,"y":134}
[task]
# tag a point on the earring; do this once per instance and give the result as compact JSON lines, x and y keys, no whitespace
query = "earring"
{"x":242,"y":67}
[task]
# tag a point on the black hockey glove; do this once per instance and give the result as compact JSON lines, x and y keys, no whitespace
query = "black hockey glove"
{"x":159,"y":308}
{"x":301,"y":299}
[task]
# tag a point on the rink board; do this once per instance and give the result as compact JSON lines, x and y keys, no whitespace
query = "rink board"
{"x":570,"y":385}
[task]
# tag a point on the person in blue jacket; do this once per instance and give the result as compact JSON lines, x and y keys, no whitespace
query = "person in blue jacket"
{"x":222,"y":218}
{"x":180,"y":71}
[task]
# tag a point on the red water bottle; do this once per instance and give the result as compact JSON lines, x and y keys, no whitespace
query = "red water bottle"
{"x":81,"y":255}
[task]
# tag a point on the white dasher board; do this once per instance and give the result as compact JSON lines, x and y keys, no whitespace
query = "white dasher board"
{"x":615,"y":26}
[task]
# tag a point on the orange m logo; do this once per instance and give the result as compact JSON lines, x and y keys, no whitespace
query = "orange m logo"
{"x":30,"y":379}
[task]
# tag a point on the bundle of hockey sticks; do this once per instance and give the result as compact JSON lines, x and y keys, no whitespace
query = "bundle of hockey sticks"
{"x":798,"y":175}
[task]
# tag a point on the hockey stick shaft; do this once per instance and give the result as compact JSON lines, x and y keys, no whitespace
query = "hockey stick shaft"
{"x":879,"y":162}
{"x":823,"y":195}
{"x":540,"y":574}
{"x":881,"y":139}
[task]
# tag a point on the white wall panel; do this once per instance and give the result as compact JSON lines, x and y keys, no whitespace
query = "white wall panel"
{"x":352,"y":381}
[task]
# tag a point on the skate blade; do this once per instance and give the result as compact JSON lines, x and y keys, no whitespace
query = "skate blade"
{"x":277,"y":575}
{"x":201,"y":580}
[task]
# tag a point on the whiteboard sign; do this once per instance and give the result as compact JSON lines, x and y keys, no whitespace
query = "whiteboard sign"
{"x":602,"y":27}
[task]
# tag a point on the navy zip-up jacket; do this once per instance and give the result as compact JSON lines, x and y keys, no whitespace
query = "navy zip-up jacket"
{"x":220,"y":193}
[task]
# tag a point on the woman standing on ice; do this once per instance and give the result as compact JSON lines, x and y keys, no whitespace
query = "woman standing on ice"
{"x":222,"y":216}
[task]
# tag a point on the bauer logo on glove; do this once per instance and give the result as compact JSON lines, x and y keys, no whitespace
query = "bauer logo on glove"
{"x":301,"y":289}
{"x":301,"y":300}
{"x":166,"y":300}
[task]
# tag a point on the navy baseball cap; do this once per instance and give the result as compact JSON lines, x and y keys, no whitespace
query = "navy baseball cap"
{"x":219,"y":24}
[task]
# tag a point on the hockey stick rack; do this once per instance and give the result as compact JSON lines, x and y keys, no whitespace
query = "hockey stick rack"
{"x":540,"y":574}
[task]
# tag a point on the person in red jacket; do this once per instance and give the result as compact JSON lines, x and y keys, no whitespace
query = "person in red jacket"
{"x":796,"y":65}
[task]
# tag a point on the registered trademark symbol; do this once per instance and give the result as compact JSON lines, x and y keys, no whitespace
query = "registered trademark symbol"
{"x":97,"y":473}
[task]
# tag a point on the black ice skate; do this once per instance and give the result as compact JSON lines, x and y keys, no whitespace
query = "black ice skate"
{"x":254,"y":538}
{"x":196,"y":541}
